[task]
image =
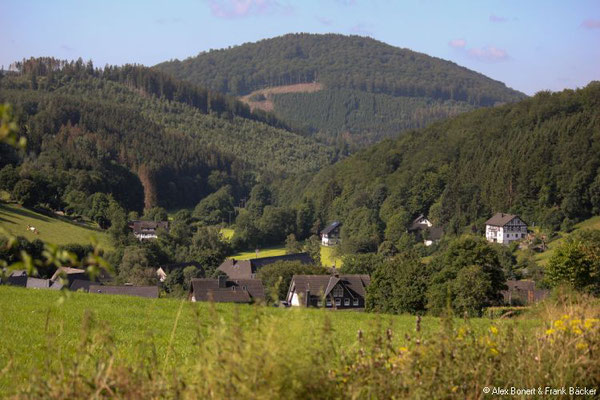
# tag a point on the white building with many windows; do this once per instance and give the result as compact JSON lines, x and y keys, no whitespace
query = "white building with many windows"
{"x":505,"y":228}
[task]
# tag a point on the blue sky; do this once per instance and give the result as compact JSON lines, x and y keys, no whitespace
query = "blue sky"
{"x":530,"y":45}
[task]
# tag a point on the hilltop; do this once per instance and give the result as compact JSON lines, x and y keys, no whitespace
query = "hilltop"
{"x":370,"y":90}
{"x":143,"y":136}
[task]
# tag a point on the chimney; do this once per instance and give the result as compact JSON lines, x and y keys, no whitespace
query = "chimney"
{"x":307,"y":297}
{"x":222,"y":282}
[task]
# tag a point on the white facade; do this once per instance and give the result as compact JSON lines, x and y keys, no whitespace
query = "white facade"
{"x":326,"y":240}
{"x":510,"y":232}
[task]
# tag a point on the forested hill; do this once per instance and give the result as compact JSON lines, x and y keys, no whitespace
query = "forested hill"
{"x":537,"y":158}
{"x":140,"y":135}
{"x":370,"y":89}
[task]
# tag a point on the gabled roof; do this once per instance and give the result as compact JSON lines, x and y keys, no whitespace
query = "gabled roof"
{"x":246,"y":269}
{"x":139,"y":291}
{"x":331,"y":227}
{"x":70,"y":273}
{"x":148,"y":226}
{"x":500,"y":219}
{"x":417,"y":224}
{"x":233,"y":291}
{"x":322,"y":285}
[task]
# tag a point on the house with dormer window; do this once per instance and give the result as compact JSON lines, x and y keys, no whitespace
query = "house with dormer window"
{"x":328,"y":291}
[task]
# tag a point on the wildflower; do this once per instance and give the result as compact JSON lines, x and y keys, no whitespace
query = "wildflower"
{"x":493,"y":330}
{"x":549,"y":331}
{"x":403,"y":349}
{"x":581,"y":346}
{"x":558,"y":324}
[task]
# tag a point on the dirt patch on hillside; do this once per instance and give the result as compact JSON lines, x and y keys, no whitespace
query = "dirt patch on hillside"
{"x":262,"y":99}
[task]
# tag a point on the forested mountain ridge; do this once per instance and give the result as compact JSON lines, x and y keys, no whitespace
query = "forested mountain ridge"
{"x":537,"y":158}
{"x":363,"y":79}
{"x":123,"y":131}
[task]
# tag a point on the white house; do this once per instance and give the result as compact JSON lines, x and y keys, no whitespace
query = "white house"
{"x":429,"y":233}
{"x":505,"y":228}
{"x":330,"y":236}
{"x":144,"y":230}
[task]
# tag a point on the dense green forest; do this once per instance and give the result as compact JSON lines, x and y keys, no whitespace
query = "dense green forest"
{"x":537,"y":158}
{"x":371,"y":89}
{"x":374,"y":115}
{"x":140,"y":136}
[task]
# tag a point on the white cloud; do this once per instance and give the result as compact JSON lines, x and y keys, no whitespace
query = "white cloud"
{"x":488,"y":54}
{"x":497,"y":18}
{"x":591,"y":24}
{"x":457,"y":43}
{"x":244,"y":8}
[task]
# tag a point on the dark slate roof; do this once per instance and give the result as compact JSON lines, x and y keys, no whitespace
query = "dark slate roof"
{"x":140,"y":291}
{"x":500,"y":219}
{"x":37,"y":283}
{"x":70,"y":273}
{"x":323,"y":284}
{"x":148,"y":226}
{"x":233,"y":291}
{"x":17,"y":277}
{"x":82,"y":285}
{"x":331,"y":227}
{"x":246,"y":269}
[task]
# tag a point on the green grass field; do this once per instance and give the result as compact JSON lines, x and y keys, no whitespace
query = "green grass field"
{"x":543,"y":258}
{"x":14,"y":220}
{"x":227,"y":233}
{"x":36,"y":328}
{"x":263,"y":252}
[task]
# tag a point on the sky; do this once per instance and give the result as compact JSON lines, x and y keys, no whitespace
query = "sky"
{"x":530,"y":45}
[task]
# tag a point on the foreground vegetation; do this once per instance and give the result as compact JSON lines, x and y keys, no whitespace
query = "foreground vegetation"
{"x":139,"y":348}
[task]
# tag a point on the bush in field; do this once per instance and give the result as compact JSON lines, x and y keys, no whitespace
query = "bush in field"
{"x":468,"y":275}
{"x":577,"y":262}
{"x":399,"y":286}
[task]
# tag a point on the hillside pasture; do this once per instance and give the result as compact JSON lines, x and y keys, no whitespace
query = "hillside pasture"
{"x":543,"y":258}
{"x":15,"y":219}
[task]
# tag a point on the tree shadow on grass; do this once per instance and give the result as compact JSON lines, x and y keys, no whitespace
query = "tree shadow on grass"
{"x":23,"y":212}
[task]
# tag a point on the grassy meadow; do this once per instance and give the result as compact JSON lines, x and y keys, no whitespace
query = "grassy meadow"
{"x":43,"y":332}
{"x":14,"y":220}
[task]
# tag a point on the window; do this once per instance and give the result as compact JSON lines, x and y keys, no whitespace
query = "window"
{"x":346,"y":302}
{"x":355,"y":302}
{"x":338,"y":291}
{"x":338,"y":302}
{"x":319,"y":303}
{"x":328,"y":303}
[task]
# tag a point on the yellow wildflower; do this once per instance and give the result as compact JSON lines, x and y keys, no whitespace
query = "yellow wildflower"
{"x":581,"y":346}
{"x":403,"y":349}
{"x":494,"y":330}
{"x":549,"y":331}
{"x":558,"y":324}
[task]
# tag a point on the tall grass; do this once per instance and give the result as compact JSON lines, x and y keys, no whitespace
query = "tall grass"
{"x":249,"y":357}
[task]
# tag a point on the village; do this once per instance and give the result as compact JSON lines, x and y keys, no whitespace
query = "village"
{"x":238,"y":282}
